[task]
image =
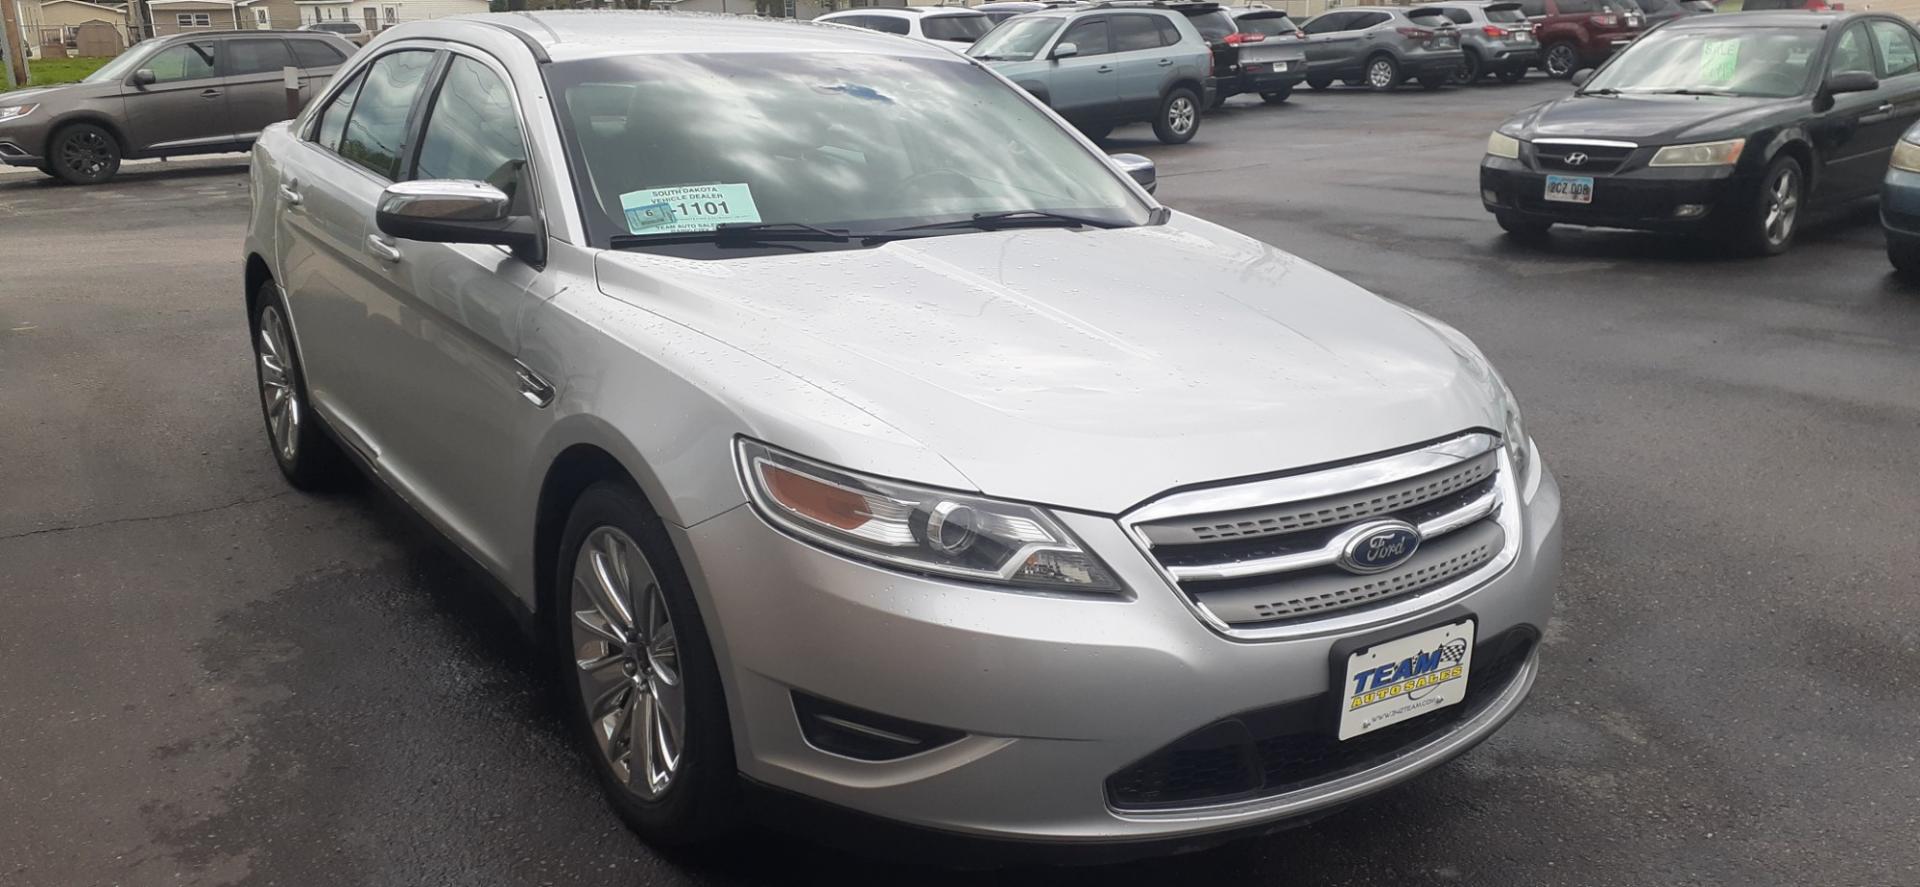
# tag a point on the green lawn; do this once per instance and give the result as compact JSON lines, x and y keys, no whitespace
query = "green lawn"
{"x":47,"y":72}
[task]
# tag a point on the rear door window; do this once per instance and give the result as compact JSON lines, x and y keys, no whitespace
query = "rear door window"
{"x":1132,"y":33}
{"x":1365,"y":20}
{"x":317,"y":54}
{"x":1897,"y":54}
{"x":246,"y":57}
{"x":1429,"y":18}
{"x":967,"y":28}
{"x":1088,"y":36}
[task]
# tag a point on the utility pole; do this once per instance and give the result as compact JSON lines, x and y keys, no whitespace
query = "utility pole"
{"x":16,"y":50}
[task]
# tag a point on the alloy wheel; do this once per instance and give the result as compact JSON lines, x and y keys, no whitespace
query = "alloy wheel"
{"x":1380,"y":74}
{"x":1180,"y":114}
{"x":628,"y":659}
{"x":86,"y":153}
{"x":1560,"y":61}
{"x":1782,"y":205}
{"x":278,"y":393}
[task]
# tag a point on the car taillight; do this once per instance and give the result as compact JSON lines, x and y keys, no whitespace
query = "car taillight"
{"x":1415,"y":33}
{"x":1606,"y":21}
{"x":1494,"y":31}
{"x":1245,"y":37}
{"x":1817,"y":6}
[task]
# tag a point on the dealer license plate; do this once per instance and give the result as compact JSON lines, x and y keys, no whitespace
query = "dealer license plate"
{"x":1405,"y":678}
{"x":1570,"y":189}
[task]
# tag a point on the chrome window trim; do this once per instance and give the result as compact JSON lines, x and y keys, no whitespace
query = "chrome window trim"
{"x":1604,"y":143}
{"x":1329,"y":482}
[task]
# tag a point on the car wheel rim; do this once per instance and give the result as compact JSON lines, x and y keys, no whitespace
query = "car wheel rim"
{"x":278,"y":395}
{"x":1180,"y":114}
{"x":1560,"y":60}
{"x":86,"y":153}
{"x":628,"y":658}
{"x":1783,"y":206}
{"x":1380,"y":74}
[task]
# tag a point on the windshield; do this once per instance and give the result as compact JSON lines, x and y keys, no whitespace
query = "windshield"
{"x":119,"y":68}
{"x":1270,"y":25}
{"x":1016,"y":40}
{"x":1214,"y":26}
{"x":1761,"y":62}
{"x":847,"y":141}
{"x":961,"y":28}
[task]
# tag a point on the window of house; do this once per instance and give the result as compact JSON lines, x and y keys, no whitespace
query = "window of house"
{"x":376,"y":131}
{"x":194,"y":19}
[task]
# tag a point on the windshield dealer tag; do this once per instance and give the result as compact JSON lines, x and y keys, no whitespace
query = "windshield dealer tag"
{"x":688,"y":208}
{"x":1717,"y":60}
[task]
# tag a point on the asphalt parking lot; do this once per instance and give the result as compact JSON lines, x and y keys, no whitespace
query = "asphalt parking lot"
{"x":206,"y":678}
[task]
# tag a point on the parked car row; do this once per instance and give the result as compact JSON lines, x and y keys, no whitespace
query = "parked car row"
{"x":1730,"y":125}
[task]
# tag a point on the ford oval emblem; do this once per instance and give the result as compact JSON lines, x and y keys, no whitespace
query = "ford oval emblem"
{"x":1379,"y":546}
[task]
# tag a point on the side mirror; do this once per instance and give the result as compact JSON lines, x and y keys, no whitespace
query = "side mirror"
{"x":1581,"y":77}
{"x":1140,"y":168}
{"x":458,"y":211}
{"x":1851,"y":81}
{"x":1064,"y":50}
{"x":144,"y":77}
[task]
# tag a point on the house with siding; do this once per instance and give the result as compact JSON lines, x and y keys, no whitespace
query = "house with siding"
{"x":59,"y":21}
{"x":264,"y":14}
{"x":188,"y":16}
{"x":377,"y":15}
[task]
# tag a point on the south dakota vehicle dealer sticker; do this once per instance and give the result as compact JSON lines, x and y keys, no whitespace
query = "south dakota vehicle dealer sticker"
{"x":1406,"y":678}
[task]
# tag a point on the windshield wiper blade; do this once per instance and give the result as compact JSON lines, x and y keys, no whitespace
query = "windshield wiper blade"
{"x":1605,"y":90}
{"x":1692,"y":91}
{"x":740,"y":234}
{"x":1009,"y":219}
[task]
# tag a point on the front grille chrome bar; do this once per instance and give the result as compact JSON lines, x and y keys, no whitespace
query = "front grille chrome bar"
{"x":1329,"y":554}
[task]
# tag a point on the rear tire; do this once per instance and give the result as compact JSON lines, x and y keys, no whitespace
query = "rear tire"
{"x":1432,"y":82}
{"x":84,"y":154}
{"x":1383,"y":74}
{"x":1276,"y":96}
{"x":1523,"y":230}
{"x":1179,"y":117}
{"x":1560,"y":61}
{"x":1097,"y":133}
{"x":1320,"y":82}
{"x":668,"y":795}
{"x":1905,"y":258}
{"x":1513,"y":75}
{"x":1471,"y":70}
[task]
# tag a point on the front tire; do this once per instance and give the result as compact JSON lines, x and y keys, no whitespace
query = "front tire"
{"x":1905,"y":258}
{"x":1560,"y":61}
{"x":1513,"y":75}
{"x":84,"y":154}
{"x":308,"y":458}
{"x":1471,"y":70}
{"x":642,"y":687}
{"x":1319,"y":82}
{"x":1431,"y":82}
{"x":1772,"y":220}
{"x":1276,"y":96}
{"x":1179,"y":117}
{"x":1383,"y":73}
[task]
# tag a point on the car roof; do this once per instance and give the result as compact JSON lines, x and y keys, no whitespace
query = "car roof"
{"x":587,"y":33}
{"x":1244,"y":11}
{"x":1797,"y":18}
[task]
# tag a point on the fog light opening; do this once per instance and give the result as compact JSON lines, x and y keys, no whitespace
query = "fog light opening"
{"x":1689,"y":210}
{"x":863,"y":735}
{"x":1488,"y":195}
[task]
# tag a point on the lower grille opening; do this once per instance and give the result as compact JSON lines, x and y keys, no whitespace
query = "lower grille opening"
{"x":1284,"y":748}
{"x":864,"y":735}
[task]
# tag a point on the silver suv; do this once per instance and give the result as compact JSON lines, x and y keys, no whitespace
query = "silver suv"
{"x":1108,"y":65}
{"x":1379,"y":47}
{"x":861,"y":438}
{"x":1496,"y":38}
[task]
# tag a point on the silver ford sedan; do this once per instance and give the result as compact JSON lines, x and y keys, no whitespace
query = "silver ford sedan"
{"x":870,"y":447}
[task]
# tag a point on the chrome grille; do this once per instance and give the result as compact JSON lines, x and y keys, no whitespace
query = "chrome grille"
{"x":1261,"y":557}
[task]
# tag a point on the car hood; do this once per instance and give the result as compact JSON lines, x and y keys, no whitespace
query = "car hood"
{"x":1645,"y":119}
{"x":25,"y":96}
{"x":1087,"y":369}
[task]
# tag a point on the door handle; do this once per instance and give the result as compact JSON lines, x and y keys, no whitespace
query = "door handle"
{"x":1165,"y":62}
{"x":209,"y":93}
{"x":289,"y":192}
{"x":536,"y":390}
{"x":383,"y":249}
{"x":1105,"y":69}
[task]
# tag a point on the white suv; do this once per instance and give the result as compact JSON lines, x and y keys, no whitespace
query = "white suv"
{"x":956,"y":26}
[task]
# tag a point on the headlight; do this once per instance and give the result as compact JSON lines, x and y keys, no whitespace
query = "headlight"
{"x":1506,"y":146}
{"x":1703,"y":154}
{"x":918,"y":528}
{"x":1514,"y":434}
{"x":15,"y":112}
{"x":1906,"y":156}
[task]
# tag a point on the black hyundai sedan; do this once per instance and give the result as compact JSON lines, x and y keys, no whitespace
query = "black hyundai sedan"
{"x":1728,"y":125}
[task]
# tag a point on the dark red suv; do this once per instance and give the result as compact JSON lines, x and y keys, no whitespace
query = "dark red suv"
{"x":1575,"y":34}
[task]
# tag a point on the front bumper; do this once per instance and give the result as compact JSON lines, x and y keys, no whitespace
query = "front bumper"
{"x":13,"y":153}
{"x":1502,"y":57}
{"x":1055,"y":694}
{"x":1639,"y":198}
{"x":1900,"y":206}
